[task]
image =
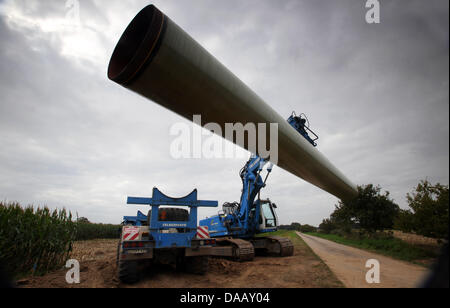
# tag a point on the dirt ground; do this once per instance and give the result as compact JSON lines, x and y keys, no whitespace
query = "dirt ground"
{"x":349,"y":265}
{"x":98,"y":270}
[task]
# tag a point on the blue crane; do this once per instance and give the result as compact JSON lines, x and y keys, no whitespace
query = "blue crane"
{"x":238,"y":223}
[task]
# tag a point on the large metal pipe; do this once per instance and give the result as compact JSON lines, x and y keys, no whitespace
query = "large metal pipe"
{"x":158,"y":60}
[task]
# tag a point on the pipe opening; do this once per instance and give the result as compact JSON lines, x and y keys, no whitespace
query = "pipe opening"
{"x":136,"y":45}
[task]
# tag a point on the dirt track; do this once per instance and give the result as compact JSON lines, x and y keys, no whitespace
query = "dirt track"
{"x":98,"y":269}
{"x":348,"y":264}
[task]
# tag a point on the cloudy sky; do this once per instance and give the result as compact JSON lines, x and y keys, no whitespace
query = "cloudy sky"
{"x":376,"y":94}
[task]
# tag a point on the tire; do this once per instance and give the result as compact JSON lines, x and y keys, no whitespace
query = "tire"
{"x":119,"y":246}
{"x":170,"y":214}
{"x":128,"y":271}
{"x":181,"y":264}
{"x":196,"y":265}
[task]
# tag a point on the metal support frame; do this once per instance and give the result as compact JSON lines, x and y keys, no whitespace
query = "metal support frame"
{"x":168,"y":240}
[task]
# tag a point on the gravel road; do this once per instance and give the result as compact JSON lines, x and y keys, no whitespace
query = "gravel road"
{"x":349,"y":265}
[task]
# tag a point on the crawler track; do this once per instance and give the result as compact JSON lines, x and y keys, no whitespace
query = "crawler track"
{"x":286,"y":246}
{"x":242,"y":250}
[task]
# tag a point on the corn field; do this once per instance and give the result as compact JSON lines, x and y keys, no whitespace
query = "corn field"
{"x":38,"y":240}
{"x":34,"y":240}
{"x":90,"y":231}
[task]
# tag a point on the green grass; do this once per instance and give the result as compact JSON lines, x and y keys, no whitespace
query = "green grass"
{"x":388,"y":246}
{"x":283,"y":233}
{"x":295,"y":239}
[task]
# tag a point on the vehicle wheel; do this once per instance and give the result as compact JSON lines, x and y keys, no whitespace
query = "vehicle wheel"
{"x":119,"y":246}
{"x":128,"y":271}
{"x":180,"y":264}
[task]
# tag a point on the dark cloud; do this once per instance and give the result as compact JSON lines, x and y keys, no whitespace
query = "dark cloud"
{"x":376,"y":94}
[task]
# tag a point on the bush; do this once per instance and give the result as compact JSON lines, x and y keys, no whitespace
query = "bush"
{"x":341,"y":232}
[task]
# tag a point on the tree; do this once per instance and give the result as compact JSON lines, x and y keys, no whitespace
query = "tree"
{"x":404,"y":221}
{"x":295,"y":226}
{"x":429,"y":211}
{"x":369,"y":210}
{"x":298,"y":227}
{"x":307,"y":228}
{"x":327,"y":226}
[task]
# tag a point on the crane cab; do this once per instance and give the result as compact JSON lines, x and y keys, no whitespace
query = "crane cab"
{"x":268,"y":219}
